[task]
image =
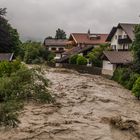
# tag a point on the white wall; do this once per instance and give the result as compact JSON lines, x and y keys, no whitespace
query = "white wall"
{"x":114,"y":40}
{"x":108,"y":68}
{"x":58,"y":56}
{"x":107,"y":65}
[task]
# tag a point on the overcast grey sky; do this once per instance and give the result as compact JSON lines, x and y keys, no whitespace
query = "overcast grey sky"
{"x":36,"y":19}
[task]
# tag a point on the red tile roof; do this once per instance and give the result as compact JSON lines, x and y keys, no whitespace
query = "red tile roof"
{"x":85,"y":38}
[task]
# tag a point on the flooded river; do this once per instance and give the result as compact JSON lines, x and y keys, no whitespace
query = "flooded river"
{"x":87,"y":107}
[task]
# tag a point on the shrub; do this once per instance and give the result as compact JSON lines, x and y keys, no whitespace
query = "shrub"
{"x":122,"y":76}
{"x":73,"y":59}
{"x":50,"y":56}
{"x":136,"y":88}
{"x":6,"y":68}
{"x":117,"y":75}
{"x":18,"y":86}
{"x":81,"y":60}
{"x":95,"y":55}
{"x":8,"y":113}
{"x":132,"y":80}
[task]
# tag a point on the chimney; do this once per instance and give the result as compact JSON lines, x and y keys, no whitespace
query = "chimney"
{"x":88,"y":31}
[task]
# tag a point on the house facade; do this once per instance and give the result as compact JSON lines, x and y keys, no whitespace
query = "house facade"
{"x":120,"y":38}
{"x":57,"y":46}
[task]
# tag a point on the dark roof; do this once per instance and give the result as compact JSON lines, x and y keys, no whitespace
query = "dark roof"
{"x":73,"y":51}
{"x":127,"y":27}
{"x":118,"y":57}
{"x":6,"y":56}
{"x":55,"y":42}
{"x":111,"y":34}
{"x":91,"y":39}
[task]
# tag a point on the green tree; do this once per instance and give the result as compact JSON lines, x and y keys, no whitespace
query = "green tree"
{"x":136,"y":88}
{"x":73,"y":59}
{"x":95,"y":55}
{"x":9,"y":37}
{"x":60,"y":34}
{"x":81,"y":60}
{"x":136,"y":49}
{"x":34,"y":52}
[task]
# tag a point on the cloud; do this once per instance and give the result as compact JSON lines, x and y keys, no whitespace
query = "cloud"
{"x":36,"y":19}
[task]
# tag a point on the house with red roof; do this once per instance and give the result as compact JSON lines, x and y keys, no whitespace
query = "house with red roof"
{"x":87,"y":39}
{"x":82,"y":43}
{"x":57,"y":46}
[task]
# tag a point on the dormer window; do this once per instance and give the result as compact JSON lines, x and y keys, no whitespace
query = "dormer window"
{"x":94,"y":37}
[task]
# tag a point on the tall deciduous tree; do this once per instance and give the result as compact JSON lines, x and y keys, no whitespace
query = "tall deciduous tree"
{"x":136,"y":49}
{"x":9,"y":37}
{"x":60,"y":34}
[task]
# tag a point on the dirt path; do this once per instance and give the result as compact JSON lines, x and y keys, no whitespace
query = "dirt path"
{"x":85,"y":104}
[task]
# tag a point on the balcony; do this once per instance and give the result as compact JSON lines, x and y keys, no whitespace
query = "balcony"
{"x":124,"y":41}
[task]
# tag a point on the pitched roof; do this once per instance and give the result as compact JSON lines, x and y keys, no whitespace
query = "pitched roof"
{"x":127,"y":27}
{"x":111,"y":34}
{"x":55,"y":42}
{"x":118,"y":57}
{"x":73,"y":51}
{"x":91,"y":39}
{"x":6,"y":56}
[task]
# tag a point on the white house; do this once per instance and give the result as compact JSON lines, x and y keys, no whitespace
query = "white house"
{"x":58,"y":46}
{"x":121,"y":37}
{"x":113,"y":59}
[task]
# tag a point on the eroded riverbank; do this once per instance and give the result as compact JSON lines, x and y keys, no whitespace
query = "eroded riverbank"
{"x":85,"y":104}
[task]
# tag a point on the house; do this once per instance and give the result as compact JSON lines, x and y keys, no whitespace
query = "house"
{"x":121,"y":36}
{"x":82,"y":43}
{"x":87,"y":39}
{"x":6,"y":56}
{"x":57,"y":46}
{"x":114,"y":59}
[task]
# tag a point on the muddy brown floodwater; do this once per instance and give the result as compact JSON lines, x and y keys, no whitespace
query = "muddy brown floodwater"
{"x":87,"y":107}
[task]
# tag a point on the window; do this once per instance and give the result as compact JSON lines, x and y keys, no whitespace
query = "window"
{"x":125,"y":47}
{"x":113,"y":47}
{"x":53,"y":49}
{"x":120,"y":36}
{"x":115,"y":36}
{"x":125,"y":36}
{"x":61,"y":49}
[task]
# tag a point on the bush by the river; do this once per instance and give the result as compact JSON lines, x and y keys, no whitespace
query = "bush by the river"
{"x":136,"y":88}
{"x":129,"y":79}
{"x":19,"y":84}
